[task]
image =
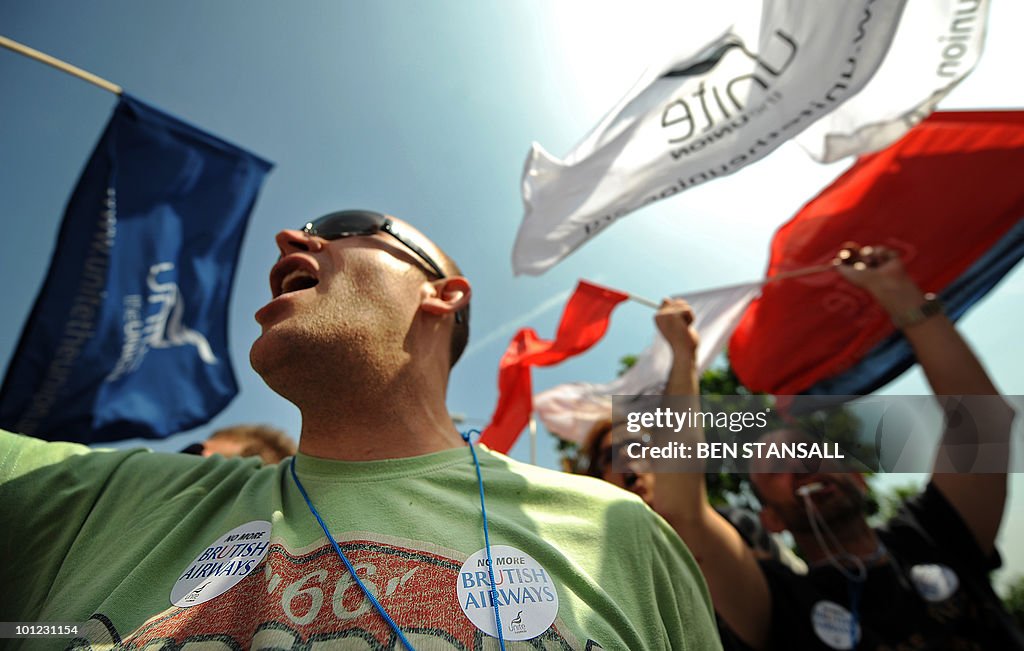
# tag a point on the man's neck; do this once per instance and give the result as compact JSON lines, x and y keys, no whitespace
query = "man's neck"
{"x":362,"y":426}
{"x":855,"y":537}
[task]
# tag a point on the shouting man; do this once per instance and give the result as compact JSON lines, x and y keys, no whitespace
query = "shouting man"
{"x":387,"y":530}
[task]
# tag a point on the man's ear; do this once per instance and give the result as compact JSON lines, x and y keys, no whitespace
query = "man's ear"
{"x":770,"y":519}
{"x":446,"y":296}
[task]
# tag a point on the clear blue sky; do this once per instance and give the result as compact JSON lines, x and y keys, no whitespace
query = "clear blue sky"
{"x":426,"y":111}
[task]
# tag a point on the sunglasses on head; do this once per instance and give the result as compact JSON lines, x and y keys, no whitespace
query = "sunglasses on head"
{"x":360,"y":223}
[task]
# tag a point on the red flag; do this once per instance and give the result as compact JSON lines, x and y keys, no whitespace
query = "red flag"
{"x":942,"y":196}
{"x":584,"y":322}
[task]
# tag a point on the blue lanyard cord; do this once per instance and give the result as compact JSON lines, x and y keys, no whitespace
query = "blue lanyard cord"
{"x":351,"y":570}
{"x":366,"y":591}
{"x":487,"y":539}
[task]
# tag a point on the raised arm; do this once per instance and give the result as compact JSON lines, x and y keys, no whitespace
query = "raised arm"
{"x":739,"y":590}
{"x":952,"y":369}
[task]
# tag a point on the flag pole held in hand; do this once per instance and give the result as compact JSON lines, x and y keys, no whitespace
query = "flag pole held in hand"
{"x":796,"y":273}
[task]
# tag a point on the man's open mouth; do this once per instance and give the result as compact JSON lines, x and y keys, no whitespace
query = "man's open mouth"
{"x":292,"y":274}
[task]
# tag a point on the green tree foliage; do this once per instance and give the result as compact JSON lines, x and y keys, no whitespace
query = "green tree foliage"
{"x":1014,"y":599}
{"x":890,"y":501}
{"x":626,"y":362}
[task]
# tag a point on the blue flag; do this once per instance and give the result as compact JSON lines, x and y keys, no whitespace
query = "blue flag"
{"x":129,"y":336}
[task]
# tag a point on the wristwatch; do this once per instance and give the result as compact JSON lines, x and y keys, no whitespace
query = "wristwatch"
{"x":931,"y":306}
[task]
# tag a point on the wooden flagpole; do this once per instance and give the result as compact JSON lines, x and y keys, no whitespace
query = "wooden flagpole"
{"x":796,"y":273}
{"x":60,"y":65}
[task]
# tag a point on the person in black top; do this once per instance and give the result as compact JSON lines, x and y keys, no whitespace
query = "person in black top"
{"x":918,"y":582}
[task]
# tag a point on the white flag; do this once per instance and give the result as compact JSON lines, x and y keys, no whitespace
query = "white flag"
{"x":701,"y":115}
{"x":571,"y":410}
{"x":937,"y":44}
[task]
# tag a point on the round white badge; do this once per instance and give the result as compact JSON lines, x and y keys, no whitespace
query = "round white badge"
{"x":934,"y":582}
{"x":833,"y":623}
{"x":526,"y":595}
{"x":223,"y":563}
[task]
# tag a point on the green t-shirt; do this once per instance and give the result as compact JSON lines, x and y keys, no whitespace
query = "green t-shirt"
{"x":116,"y":538}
